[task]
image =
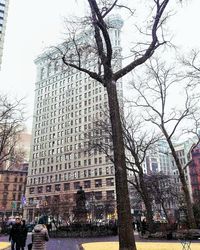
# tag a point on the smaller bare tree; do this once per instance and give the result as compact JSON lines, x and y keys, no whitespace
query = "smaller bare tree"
{"x":138,"y":143}
{"x":154,"y":102}
{"x":165,"y":193}
{"x":11,"y":125}
{"x":191,"y":65}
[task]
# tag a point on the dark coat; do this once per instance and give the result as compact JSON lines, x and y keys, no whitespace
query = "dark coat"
{"x":16,"y":233}
{"x":23,"y":237}
{"x":39,"y":237}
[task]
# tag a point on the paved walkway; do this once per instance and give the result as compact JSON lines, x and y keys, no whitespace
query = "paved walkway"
{"x":73,"y":243}
{"x":67,"y":243}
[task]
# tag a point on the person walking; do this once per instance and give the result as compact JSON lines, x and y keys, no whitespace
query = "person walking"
{"x":144,"y":227}
{"x":39,"y":237}
{"x":15,"y":234}
{"x":23,"y":237}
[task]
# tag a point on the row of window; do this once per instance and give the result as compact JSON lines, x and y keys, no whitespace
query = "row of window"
{"x":69,"y":165}
{"x":68,"y":186}
{"x":72,"y":157}
{"x":68,"y":70}
{"x":54,"y":67}
{"x":72,"y":175}
{"x":52,"y":110}
{"x":15,"y":197}
{"x":74,"y":88}
{"x":15,"y":187}
{"x":76,"y":185}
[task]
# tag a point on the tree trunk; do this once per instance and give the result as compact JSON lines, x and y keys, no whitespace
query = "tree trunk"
{"x":126,"y":236}
{"x":188,"y":202}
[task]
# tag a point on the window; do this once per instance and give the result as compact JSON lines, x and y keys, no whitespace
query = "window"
{"x":87,"y":184}
{"x":14,"y":187}
{"x":40,"y":189}
{"x":76,"y":185}
{"x":110,"y":195}
{"x":98,"y":195}
{"x":14,"y":197}
{"x":110,"y":182}
{"x":48,"y":188}
{"x":66,"y":186}
{"x":57,"y":187}
{"x":95,"y":171}
{"x":98,"y":183}
{"x":42,"y":74}
{"x":31,"y":190}
{"x":100,"y":171}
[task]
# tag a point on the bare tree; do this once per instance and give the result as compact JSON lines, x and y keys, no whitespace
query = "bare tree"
{"x":164,"y":192}
{"x":192,"y":66}
{"x":59,"y":207}
{"x":11,"y":125}
{"x":94,"y":42}
{"x":154,"y":99}
{"x":138,"y":144}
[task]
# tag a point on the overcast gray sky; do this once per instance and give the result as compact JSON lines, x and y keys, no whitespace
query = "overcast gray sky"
{"x":35,"y":24}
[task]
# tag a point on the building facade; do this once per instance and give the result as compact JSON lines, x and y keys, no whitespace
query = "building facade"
{"x":12,"y":188}
{"x":182,"y":150}
{"x":3,"y":20}
{"x":13,"y":178}
{"x":67,"y":105}
{"x":194,"y":171}
{"x":158,"y":160}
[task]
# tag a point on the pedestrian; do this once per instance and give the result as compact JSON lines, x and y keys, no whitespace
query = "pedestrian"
{"x":39,"y":237}
{"x":15,"y":234}
{"x":133,"y":225}
{"x":144,"y":227}
{"x":138,"y":226}
{"x":23,"y":237}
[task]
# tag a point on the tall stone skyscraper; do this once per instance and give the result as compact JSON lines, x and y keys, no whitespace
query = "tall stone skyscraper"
{"x":67,"y":104}
{"x":3,"y":19}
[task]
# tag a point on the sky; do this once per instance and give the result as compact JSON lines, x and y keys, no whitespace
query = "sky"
{"x":34,"y":25}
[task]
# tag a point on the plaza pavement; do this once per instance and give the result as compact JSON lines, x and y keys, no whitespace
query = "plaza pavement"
{"x":65,"y":243}
{"x":74,"y":243}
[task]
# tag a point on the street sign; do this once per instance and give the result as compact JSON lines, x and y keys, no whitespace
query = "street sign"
{"x":14,"y":204}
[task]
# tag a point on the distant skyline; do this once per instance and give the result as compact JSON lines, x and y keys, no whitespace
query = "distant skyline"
{"x":36,"y":24}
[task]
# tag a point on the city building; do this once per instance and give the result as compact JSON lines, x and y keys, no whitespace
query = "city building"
{"x":182,"y":150}
{"x":67,"y":105}
{"x":158,"y":160}
{"x":12,"y":189}
{"x":194,"y":171}
{"x":13,"y":178}
{"x":3,"y":20}
{"x":157,"y":167}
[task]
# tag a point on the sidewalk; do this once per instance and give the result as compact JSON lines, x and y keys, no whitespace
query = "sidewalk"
{"x":140,"y":246}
